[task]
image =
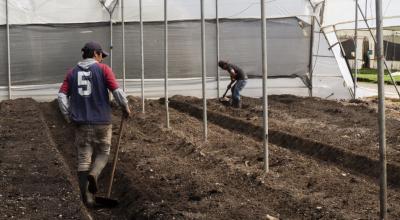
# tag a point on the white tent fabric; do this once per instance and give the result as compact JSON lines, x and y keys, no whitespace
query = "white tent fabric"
{"x":78,"y":11}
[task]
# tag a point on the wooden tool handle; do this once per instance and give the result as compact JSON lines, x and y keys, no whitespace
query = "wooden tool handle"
{"x":121,"y":127}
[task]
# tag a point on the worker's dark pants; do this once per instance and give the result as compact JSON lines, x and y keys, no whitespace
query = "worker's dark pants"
{"x":236,"y":89}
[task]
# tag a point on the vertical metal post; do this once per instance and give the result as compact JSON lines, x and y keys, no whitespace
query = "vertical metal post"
{"x":123,"y":47}
{"x":310,"y":62}
{"x":265,"y":94}
{"x":381,"y":111}
{"x":166,"y":61}
{"x":355,"y":51}
{"x":8,"y":52}
{"x":203,"y":69}
{"x":217,"y":32}
{"x":111,"y":41}
{"x":141,"y":51}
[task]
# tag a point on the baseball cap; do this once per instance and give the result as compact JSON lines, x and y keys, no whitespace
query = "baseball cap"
{"x":94,"y":46}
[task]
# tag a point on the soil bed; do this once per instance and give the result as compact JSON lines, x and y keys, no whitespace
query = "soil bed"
{"x":34,"y":180}
{"x":297,"y":173}
{"x":340,"y":132}
{"x":173,"y":174}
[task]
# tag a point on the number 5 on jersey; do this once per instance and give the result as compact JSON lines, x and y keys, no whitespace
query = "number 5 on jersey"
{"x":84,"y":85}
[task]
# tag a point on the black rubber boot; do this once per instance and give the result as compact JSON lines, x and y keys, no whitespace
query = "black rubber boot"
{"x":92,"y":183}
{"x":98,"y":165}
{"x":87,"y":197}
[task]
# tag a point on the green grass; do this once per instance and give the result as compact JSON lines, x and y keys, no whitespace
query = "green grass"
{"x":370,"y":75}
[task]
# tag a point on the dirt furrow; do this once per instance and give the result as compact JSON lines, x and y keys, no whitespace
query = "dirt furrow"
{"x":187,"y":180}
{"x":315,"y":179}
{"x":63,"y":136}
{"x":33,"y":178}
{"x":239,"y":122}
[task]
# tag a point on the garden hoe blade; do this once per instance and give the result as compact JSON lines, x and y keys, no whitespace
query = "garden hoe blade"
{"x":103,"y":202}
{"x":223,"y":100}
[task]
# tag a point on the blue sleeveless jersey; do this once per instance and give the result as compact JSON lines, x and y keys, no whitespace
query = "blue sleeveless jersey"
{"x":88,"y":93}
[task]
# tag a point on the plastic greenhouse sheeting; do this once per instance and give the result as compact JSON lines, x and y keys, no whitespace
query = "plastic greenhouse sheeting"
{"x":42,"y":54}
{"x":77,"y":11}
{"x":3,"y":57}
{"x":89,"y":11}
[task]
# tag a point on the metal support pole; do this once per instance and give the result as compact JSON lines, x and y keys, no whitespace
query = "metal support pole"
{"x":355,"y":50}
{"x":141,"y":51}
{"x":384,"y":61}
{"x":381,"y":111}
{"x":8,"y":52}
{"x":265,"y":94}
{"x":310,"y":63}
{"x":203,"y":69}
{"x":166,"y":61}
{"x":123,"y":47}
{"x":111,"y":41}
{"x":217,"y":32}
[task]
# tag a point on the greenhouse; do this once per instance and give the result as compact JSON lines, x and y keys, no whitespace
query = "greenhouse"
{"x":231,"y":109}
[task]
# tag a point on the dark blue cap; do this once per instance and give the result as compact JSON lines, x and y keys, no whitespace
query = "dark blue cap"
{"x":95,"y":47}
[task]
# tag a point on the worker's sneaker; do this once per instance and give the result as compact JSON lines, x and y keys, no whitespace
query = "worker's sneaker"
{"x":92,"y":183}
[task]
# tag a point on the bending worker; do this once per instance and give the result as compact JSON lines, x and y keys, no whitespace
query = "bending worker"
{"x":237,"y":75}
{"x":84,"y":100}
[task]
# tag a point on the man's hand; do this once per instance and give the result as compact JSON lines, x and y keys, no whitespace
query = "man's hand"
{"x":127,"y":112}
{"x":67,"y":119}
{"x":230,"y":84}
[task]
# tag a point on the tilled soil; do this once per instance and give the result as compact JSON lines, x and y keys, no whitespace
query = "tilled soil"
{"x":344,"y":133}
{"x":353,"y":126}
{"x":173,"y":174}
{"x":34,"y":182}
{"x":63,"y":136}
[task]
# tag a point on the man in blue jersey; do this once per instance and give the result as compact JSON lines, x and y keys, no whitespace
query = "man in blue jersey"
{"x":84,"y":100}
